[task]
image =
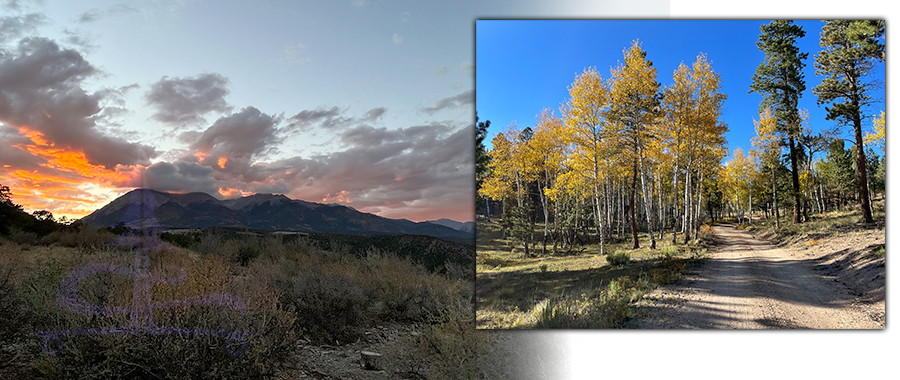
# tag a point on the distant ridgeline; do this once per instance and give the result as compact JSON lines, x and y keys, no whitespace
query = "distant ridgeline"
{"x":266,"y":212}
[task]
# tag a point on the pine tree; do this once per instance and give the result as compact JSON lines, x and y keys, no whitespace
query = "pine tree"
{"x":779,"y":79}
{"x":482,"y":159}
{"x":851,"y":49}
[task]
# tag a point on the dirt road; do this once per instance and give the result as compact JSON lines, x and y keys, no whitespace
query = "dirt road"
{"x":752,"y":284}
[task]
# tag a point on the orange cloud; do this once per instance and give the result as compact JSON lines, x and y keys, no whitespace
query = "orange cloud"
{"x":339,"y":198}
{"x":201,"y":155}
{"x":65,"y":184}
{"x":234,"y":193}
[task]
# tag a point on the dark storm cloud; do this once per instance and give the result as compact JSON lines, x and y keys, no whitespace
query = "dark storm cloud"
{"x":184,"y":101}
{"x":12,"y":27}
{"x":463,"y":99}
{"x":180,"y":176}
{"x":41,"y":90}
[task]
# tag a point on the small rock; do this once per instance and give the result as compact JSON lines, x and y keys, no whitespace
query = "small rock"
{"x":370,"y":360}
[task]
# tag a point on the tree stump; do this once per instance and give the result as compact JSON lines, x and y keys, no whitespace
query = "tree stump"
{"x":370,"y":360}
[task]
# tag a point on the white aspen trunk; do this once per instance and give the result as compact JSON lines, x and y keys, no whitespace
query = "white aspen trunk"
{"x":697,"y":219}
{"x":546,"y":218}
{"x":674,"y":203}
{"x":648,"y":199}
{"x":621,"y":209}
{"x":555,"y":224}
{"x":597,"y":206}
{"x":661,"y":211}
{"x":685,"y":223}
{"x":750,"y":211}
{"x":599,"y":221}
{"x":609,"y":206}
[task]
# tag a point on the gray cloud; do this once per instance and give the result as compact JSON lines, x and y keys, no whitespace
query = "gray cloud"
{"x":122,"y":8}
{"x":463,"y":99}
{"x":184,"y":101}
{"x":239,"y":138}
{"x":90,"y":16}
{"x":40,"y":89}
{"x":329,"y":119}
{"x":415,"y":172}
{"x":12,"y":27}
{"x":425,"y":168}
{"x":16,"y":158}
{"x":12,"y":4}
{"x":180,"y":176}
{"x":373,"y":114}
{"x":79,"y":38}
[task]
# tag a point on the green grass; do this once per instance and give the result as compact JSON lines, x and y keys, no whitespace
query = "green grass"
{"x":879,"y":251}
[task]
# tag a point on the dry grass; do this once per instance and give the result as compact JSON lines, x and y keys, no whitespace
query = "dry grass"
{"x":526,"y":292}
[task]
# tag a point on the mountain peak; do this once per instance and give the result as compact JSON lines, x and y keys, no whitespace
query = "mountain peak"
{"x":259,"y":211}
{"x":450,"y":223}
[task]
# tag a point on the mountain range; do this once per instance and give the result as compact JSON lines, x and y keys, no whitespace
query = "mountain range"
{"x":145,"y":208}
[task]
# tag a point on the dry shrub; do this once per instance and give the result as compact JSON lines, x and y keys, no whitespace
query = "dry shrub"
{"x":84,"y":238}
{"x":22,"y":237}
{"x":405,"y":291}
{"x":185,"y":346}
{"x":446,"y":349}
{"x":329,"y":309}
{"x":335,"y":295}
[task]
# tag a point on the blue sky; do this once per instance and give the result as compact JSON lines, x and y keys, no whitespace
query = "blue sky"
{"x":526,"y":65}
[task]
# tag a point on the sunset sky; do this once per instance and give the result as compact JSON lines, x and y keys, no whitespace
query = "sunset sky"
{"x":367,"y":103}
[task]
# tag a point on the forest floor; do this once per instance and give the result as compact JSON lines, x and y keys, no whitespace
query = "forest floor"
{"x":825,"y":274}
{"x":510,"y":286}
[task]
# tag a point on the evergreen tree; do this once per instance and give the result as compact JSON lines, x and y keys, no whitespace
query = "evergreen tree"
{"x":482,"y":159}
{"x":851,"y":48}
{"x":779,"y":79}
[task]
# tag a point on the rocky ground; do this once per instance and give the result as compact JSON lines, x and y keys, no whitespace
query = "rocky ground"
{"x":345,"y":361}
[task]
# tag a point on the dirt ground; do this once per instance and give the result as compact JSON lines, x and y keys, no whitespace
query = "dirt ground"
{"x":749,"y":283}
{"x":328,"y":362}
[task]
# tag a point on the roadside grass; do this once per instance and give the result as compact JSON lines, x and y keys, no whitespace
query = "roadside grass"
{"x":579,"y":289}
{"x":819,"y":226}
